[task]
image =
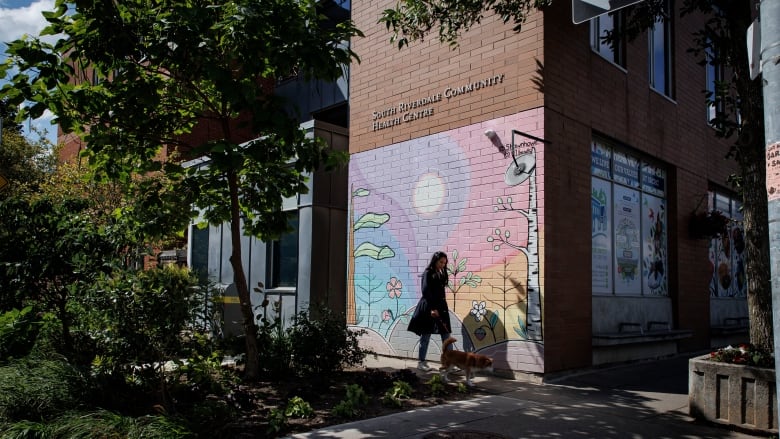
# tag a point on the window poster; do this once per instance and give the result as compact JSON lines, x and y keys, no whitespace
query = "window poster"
{"x":727,"y":255}
{"x":654,"y":262}
{"x":625,"y":169}
{"x":653,"y":180}
{"x":600,"y":160}
{"x":628,"y":278}
{"x":601,"y":236}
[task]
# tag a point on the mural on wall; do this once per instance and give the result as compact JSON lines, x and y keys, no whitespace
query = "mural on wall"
{"x":727,"y":252}
{"x":461,"y":192}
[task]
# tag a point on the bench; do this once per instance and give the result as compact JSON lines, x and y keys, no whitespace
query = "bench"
{"x":731,"y":326}
{"x":632,"y":332}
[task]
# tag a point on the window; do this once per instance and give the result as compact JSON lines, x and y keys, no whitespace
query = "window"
{"x":282,"y":258}
{"x":714,"y":75}
{"x":661,"y":56}
{"x":601,"y":27}
{"x":628,"y":223}
{"x":727,"y":251}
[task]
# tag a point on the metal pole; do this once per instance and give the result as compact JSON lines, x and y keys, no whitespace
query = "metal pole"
{"x":770,"y":72}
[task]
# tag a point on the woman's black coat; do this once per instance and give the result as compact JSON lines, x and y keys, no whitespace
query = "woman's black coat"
{"x":432,"y":298}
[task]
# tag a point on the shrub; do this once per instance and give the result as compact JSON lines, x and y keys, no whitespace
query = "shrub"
{"x":309,"y":345}
{"x":18,"y":332}
{"x":324,"y":343}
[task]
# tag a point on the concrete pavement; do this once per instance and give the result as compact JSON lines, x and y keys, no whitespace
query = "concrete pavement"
{"x":640,"y":400}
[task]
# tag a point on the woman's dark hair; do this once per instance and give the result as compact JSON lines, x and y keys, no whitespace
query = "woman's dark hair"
{"x":434,"y":259}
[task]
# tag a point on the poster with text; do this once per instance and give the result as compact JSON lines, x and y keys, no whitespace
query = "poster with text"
{"x":628,"y":276}
{"x":654,"y":261}
{"x":601,"y":236}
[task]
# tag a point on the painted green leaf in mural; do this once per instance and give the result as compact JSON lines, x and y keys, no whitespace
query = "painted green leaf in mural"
{"x":372,"y":220}
{"x":493,"y":319}
{"x":520,"y":329}
{"x":374,"y":252}
{"x":361,"y":192}
{"x":472,"y":279}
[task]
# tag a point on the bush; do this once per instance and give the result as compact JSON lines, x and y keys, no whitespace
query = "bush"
{"x":18,"y":332}
{"x":324,"y":344}
{"x":310,"y":345}
{"x":40,"y":388}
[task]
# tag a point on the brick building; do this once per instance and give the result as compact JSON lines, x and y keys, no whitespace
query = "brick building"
{"x":505,"y":152}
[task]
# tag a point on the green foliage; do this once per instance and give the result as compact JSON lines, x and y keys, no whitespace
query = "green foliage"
{"x":317,"y":341}
{"x":40,"y":388}
{"x":18,"y":332}
{"x":438,"y":386}
{"x":462,"y":388}
{"x":23,"y":163}
{"x":277,"y":421}
{"x":100,"y":424}
{"x":138,"y":317}
{"x":413,"y":20}
{"x":351,"y":405}
{"x":746,"y":354}
{"x":322,"y":342}
{"x":298,"y":408}
{"x":401,"y":390}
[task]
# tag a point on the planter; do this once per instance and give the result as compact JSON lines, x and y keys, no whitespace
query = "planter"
{"x":732,"y":394}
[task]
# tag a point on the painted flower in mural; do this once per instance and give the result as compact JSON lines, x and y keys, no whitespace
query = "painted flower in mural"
{"x":478,"y":310}
{"x":387,"y":315}
{"x":394,"y":288}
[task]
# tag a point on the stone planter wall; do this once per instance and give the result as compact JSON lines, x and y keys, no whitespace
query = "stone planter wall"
{"x":732,"y":394}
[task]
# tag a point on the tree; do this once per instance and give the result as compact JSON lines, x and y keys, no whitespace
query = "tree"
{"x":721,"y":41}
{"x":22,"y":162}
{"x":8,"y":118}
{"x":158,"y":70}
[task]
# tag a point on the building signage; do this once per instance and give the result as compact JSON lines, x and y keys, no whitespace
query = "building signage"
{"x":423,"y":107}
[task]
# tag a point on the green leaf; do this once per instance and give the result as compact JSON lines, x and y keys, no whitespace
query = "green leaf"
{"x":361,"y":193}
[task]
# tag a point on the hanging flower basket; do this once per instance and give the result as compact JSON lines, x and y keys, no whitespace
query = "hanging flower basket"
{"x":708,"y":225}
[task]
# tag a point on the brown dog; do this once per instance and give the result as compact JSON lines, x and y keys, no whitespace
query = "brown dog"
{"x":468,"y":361}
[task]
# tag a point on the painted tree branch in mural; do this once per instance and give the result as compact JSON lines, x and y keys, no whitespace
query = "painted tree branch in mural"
{"x":368,"y":220}
{"x":368,"y":290}
{"x":510,"y":284}
{"x":455,"y":284}
{"x":523,"y":168}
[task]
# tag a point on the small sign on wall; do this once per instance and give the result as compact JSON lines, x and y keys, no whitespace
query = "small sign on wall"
{"x":773,"y":171}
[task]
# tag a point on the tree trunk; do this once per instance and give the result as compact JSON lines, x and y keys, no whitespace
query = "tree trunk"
{"x":252,"y":367}
{"x":750,"y":155}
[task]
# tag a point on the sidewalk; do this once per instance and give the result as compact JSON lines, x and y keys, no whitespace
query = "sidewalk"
{"x":642,"y":400}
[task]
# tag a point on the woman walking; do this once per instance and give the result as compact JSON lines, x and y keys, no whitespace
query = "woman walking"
{"x":432,"y":315}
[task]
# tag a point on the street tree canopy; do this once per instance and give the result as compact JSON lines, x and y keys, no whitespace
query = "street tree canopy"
{"x":134,"y":77}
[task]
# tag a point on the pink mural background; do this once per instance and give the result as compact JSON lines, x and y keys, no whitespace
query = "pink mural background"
{"x":461,"y":192}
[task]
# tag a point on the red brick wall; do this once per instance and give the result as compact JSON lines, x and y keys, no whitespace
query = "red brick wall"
{"x":584,"y":92}
{"x":386,"y":76}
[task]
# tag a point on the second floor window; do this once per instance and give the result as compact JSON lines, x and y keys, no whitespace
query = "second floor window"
{"x":661,"y":54}
{"x":603,"y":26}
{"x":714,"y":78}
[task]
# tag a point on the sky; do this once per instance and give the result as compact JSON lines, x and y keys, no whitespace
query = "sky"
{"x":19,"y":17}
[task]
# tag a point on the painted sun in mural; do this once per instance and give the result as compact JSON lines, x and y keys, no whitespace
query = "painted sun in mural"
{"x":429,"y":193}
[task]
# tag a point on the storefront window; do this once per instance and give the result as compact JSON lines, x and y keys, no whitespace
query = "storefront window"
{"x":727,"y":251}
{"x":629,"y":225}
